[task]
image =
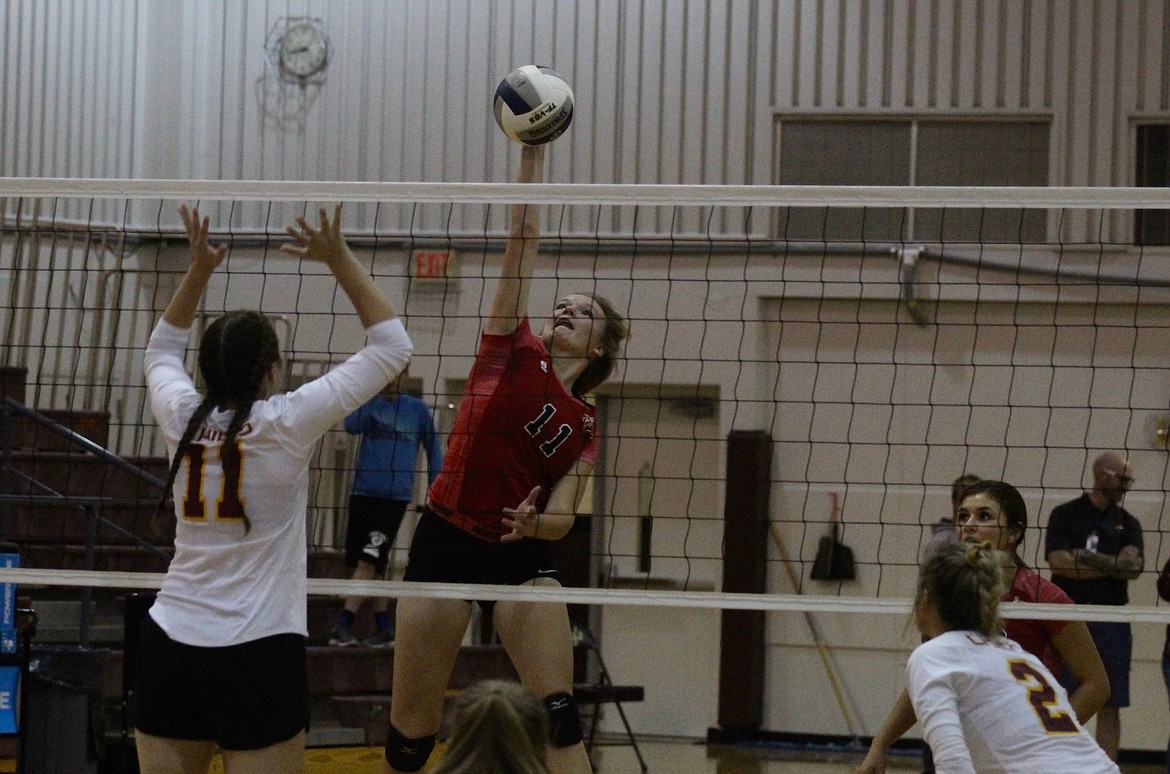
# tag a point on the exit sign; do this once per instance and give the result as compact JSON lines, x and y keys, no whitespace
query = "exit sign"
{"x":433,"y":264}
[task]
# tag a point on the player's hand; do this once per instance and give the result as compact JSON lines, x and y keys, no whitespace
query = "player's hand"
{"x":325,"y":244}
{"x":203,"y":255}
{"x":523,"y":520}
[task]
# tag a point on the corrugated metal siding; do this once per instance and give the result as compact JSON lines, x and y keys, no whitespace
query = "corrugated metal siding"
{"x":66,"y":106}
{"x":668,"y":90}
{"x":1093,"y":67}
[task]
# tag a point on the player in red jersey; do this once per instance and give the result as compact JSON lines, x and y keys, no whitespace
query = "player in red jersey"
{"x":522,"y":448}
{"x":985,"y":703}
{"x":994,"y":512}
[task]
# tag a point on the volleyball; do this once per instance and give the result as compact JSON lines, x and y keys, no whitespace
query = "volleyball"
{"x":533,"y":105}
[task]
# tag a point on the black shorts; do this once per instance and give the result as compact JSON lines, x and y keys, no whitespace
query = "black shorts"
{"x":443,"y":553}
{"x":242,"y":697}
{"x":372,"y":527}
{"x":1114,"y":641}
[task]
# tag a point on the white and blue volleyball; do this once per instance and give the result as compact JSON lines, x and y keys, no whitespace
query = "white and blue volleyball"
{"x":534,"y":105}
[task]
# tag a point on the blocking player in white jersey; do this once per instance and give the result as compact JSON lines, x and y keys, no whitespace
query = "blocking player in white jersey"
{"x":986,"y":704}
{"x":222,"y":652}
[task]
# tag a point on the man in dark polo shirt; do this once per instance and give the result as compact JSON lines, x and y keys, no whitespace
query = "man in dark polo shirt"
{"x":1094,"y":547}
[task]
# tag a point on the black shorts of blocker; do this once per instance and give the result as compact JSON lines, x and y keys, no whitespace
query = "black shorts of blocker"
{"x":370,"y":531}
{"x":443,"y":553}
{"x":242,"y":697}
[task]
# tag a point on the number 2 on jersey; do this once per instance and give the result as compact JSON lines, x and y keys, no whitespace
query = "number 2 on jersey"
{"x":1043,"y":698}
{"x":229,"y":506}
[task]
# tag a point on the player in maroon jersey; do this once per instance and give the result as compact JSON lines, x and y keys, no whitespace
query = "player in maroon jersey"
{"x":517,"y":462}
{"x":994,"y":512}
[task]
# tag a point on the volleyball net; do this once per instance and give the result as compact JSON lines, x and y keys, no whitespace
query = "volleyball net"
{"x":880,"y":341}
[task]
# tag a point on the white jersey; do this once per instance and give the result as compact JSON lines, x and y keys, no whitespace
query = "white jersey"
{"x":225,"y":587}
{"x":989,"y":706}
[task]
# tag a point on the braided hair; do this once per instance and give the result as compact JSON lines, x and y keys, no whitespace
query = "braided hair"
{"x":964,"y":583}
{"x":236,"y":353}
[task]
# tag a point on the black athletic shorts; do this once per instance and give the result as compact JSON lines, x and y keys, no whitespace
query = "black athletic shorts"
{"x":371,"y":529}
{"x":242,"y":697}
{"x":443,"y":553}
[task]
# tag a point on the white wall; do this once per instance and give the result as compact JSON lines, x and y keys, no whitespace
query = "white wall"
{"x":887,"y":413}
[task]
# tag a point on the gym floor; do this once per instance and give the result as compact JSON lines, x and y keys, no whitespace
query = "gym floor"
{"x":665,"y":757}
{"x":662,"y":757}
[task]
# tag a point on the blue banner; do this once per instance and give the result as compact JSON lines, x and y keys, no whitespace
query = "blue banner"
{"x":8,"y":607}
{"x":9,"y":680}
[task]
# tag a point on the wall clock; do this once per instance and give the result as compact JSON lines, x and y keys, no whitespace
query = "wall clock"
{"x":303,"y":49}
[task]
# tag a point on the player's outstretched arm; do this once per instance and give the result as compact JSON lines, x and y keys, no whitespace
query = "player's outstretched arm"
{"x":510,"y":304}
{"x":900,"y":720}
{"x":327,"y":245}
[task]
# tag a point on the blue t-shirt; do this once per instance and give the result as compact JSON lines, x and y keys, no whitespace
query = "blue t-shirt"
{"x":392,"y":430}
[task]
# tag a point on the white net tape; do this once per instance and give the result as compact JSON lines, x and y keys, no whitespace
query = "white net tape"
{"x":1027,"y":197}
{"x":635,"y":597}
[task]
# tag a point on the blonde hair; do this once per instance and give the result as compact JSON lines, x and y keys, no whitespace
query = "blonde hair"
{"x":500,"y":727}
{"x":964,"y":583}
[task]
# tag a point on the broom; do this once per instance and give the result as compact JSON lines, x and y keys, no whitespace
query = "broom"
{"x":818,"y":641}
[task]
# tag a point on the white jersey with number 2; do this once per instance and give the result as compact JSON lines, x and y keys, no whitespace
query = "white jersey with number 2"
{"x":986,"y":705}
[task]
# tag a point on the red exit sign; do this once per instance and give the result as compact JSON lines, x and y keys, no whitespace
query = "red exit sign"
{"x":433,"y":264}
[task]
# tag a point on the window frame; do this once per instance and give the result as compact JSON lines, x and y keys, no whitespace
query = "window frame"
{"x":1139,"y":215}
{"x":914,"y":121}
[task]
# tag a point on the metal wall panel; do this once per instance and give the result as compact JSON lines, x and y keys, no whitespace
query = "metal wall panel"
{"x":668,"y":90}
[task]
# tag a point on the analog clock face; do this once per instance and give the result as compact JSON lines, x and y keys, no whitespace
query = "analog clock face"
{"x":303,"y":50}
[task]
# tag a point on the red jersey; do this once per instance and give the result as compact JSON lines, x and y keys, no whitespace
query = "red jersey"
{"x":518,"y":427}
{"x":1033,"y":635}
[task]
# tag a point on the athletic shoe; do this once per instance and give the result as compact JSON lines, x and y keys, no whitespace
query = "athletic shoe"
{"x":341,"y":635}
{"x":380,"y":638}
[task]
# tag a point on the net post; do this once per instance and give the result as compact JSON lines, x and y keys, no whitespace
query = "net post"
{"x":745,"y":537}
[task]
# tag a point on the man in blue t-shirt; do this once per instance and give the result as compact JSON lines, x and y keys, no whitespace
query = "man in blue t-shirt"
{"x":1094,"y":547}
{"x":393,"y":426}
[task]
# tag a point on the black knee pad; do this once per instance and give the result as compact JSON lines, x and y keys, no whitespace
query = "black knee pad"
{"x":405,"y":754}
{"x":564,"y":720}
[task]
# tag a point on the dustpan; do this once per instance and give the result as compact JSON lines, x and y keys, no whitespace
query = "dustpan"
{"x":834,"y":560}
